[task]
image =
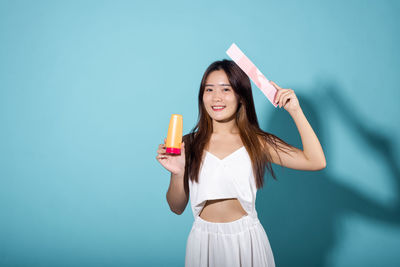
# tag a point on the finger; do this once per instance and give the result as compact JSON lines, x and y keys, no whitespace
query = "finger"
{"x":161,"y":151}
{"x":159,"y":157}
{"x":279,"y":94}
{"x":276,"y":86}
{"x":286,"y":98}
{"x":165,"y":140}
{"x":284,"y":93}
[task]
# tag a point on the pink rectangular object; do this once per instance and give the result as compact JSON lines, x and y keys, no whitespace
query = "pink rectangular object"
{"x":253,"y":72}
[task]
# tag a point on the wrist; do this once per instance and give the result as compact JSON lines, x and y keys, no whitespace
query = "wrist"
{"x":296,"y":112}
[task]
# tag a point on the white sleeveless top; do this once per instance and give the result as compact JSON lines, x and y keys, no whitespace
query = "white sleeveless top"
{"x":230,"y":177}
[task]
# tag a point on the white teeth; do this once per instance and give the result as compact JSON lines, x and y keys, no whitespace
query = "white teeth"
{"x":218,"y":107}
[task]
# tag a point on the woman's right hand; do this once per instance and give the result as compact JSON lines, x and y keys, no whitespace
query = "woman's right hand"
{"x":172,"y":162}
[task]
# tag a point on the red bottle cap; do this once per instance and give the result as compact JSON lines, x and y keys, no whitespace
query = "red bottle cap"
{"x":173,"y":150}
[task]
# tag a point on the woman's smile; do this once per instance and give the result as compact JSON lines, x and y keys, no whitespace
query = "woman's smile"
{"x":218,"y":108}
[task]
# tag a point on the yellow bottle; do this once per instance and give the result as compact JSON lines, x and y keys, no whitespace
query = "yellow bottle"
{"x":174,"y":137}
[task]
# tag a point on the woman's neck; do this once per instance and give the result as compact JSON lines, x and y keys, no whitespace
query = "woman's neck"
{"x":225,"y":128}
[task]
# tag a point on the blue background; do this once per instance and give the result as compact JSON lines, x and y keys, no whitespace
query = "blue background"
{"x":86,"y":92}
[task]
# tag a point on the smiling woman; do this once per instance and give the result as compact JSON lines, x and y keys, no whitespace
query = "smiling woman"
{"x":222,"y":164}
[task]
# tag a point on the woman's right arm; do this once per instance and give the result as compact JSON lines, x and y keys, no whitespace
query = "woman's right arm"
{"x":177,"y":194}
{"x":177,"y":197}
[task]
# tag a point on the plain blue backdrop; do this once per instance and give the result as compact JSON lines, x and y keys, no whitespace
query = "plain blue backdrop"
{"x":86,"y":92}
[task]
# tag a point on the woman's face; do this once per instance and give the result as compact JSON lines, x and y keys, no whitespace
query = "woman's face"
{"x":220,"y":101}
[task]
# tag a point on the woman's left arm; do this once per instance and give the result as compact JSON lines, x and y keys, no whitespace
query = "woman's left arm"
{"x":312,"y":156}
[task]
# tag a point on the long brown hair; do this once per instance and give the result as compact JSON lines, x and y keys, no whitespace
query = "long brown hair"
{"x":254,"y":139}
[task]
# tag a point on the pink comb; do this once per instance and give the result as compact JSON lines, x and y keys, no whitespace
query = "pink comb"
{"x":253,"y":72}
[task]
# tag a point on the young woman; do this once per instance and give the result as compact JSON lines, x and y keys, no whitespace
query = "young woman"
{"x":222,"y":164}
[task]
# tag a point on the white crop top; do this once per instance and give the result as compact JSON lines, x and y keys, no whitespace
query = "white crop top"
{"x":231,"y":177}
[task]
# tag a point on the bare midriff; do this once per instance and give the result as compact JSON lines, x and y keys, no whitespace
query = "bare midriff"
{"x":222,"y":210}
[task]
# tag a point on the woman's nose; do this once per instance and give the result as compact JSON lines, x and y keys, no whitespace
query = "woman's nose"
{"x":217,"y":95}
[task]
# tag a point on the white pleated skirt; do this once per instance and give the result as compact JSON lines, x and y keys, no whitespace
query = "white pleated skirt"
{"x":241,"y":243}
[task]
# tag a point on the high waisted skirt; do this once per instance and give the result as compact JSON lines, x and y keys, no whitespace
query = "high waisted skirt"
{"x":242,"y":242}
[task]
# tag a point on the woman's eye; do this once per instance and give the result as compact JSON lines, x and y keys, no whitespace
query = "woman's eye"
{"x":208,"y":89}
{"x":227,"y":89}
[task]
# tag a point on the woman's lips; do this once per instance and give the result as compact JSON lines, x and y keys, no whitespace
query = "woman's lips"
{"x":218,"y":108}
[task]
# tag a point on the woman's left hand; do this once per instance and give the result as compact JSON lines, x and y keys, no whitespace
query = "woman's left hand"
{"x":286,"y":98}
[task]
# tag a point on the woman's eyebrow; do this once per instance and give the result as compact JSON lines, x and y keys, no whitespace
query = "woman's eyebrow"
{"x":221,"y":84}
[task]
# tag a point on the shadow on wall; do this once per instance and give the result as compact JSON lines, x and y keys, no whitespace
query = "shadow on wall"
{"x":300,"y":210}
